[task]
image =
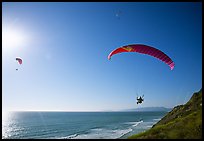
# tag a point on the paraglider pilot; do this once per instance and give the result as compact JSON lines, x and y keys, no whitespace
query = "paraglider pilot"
{"x":140,"y":99}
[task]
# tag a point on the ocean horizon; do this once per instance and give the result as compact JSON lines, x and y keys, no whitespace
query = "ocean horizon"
{"x":77,"y":125}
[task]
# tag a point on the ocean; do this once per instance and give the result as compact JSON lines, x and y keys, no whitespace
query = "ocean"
{"x":77,"y":125}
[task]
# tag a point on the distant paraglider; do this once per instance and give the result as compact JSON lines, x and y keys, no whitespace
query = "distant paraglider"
{"x":118,"y":14}
{"x":19,"y":60}
{"x":144,"y":49}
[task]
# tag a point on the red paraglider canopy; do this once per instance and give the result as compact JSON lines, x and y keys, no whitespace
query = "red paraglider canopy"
{"x":19,"y":60}
{"x":144,"y":49}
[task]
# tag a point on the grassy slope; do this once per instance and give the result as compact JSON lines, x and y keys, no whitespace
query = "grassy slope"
{"x":183,"y":122}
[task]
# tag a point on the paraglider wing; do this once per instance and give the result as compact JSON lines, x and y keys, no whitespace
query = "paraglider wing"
{"x":19,"y":60}
{"x":144,"y":49}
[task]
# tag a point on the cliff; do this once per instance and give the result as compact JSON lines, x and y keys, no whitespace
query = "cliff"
{"x":182,"y":122}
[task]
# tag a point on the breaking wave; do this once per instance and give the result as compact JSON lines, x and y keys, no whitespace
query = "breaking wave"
{"x":100,"y":133}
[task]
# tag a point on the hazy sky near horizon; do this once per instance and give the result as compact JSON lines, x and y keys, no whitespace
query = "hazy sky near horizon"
{"x":65,"y":45}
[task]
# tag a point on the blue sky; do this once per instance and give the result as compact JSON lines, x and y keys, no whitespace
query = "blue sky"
{"x":64,"y":47}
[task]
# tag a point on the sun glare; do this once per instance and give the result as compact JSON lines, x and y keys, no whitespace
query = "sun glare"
{"x":12,"y":38}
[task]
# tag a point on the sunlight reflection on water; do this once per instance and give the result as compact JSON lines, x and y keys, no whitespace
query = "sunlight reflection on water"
{"x":8,"y":125}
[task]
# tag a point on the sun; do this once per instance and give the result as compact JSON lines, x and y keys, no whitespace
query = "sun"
{"x":13,"y":38}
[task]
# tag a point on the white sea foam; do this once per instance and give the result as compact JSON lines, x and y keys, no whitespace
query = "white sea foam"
{"x":134,"y":123}
{"x":137,"y":123}
{"x":72,"y":136}
{"x":100,"y":133}
{"x":68,"y":137}
{"x":157,"y":119}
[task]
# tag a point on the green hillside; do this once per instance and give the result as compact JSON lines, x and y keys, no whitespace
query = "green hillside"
{"x":183,"y":122}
